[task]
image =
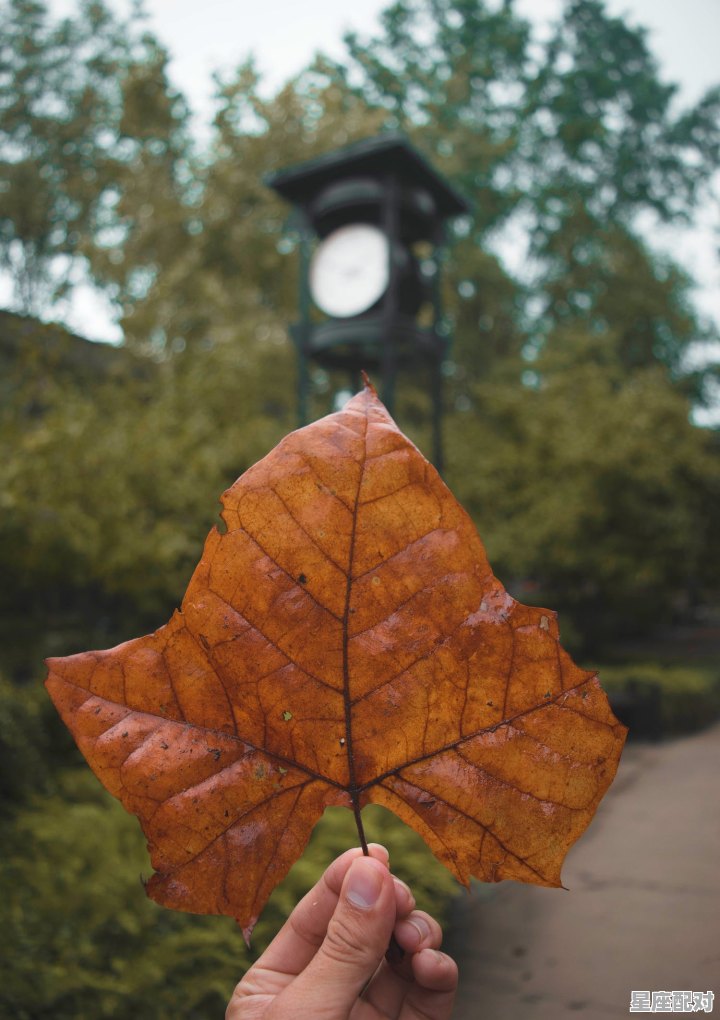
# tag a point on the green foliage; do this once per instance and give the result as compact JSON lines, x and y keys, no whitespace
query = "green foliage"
{"x":568,"y":141}
{"x":61,"y":128}
{"x":594,"y":485}
{"x":107,"y":546}
{"x":684,"y":697}
{"x":605,"y":122}
{"x":27,"y":748}
{"x":89,"y":944}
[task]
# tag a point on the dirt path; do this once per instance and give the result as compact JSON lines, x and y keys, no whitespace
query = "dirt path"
{"x":643,"y":910}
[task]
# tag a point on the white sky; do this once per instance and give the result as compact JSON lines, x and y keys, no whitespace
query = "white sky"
{"x":284,"y":35}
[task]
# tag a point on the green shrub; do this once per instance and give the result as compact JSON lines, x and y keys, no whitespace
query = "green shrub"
{"x":681,"y":698}
{"x":90,"y":945}
{"x":32,"y":740}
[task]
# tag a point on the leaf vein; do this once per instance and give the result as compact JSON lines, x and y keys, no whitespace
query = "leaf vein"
{"x":274,"y":645}
{"x":471,"y":736}
{"x":481,"y":825}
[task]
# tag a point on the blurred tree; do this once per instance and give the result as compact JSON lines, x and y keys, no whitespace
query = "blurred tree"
{"x":594,"y":492}
{"x":87,"y":943}
{"x":121,"y":448}
{"x":57,"y":95}
{"x":147,"y":220}
{"x":609,"y":156}
{"x":604,"y":123}
{"x":571,"y":143}
{"x":85,"y":116}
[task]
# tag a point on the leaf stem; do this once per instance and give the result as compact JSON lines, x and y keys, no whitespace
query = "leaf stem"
{"x":353,"y":786}
{"x":359,"y":823}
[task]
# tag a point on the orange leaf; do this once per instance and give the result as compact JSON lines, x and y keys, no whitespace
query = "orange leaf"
{"x":344,"y":642}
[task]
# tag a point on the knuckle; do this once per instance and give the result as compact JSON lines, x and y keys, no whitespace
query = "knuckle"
{"x":417,"y":1012}
{"x":244,"y":997}
{"x":306,"y":928}
{"x":235,"y":1008}
{"x":344,"y":943}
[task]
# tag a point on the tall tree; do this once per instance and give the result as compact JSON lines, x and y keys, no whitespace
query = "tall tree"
{"x":70,"y":138}
{"x":146,"y":221}
{"x":608,"y":151}
{"x":565,"y":146}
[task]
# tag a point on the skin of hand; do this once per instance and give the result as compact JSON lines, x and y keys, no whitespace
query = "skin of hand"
{"x":328,"y":960}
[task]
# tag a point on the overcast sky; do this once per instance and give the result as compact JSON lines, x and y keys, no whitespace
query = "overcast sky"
{"x":284,"y":35}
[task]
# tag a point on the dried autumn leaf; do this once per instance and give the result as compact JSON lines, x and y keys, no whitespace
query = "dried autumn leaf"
{"x":344,"y":642}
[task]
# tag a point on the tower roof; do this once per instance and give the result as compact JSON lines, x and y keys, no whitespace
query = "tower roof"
{"x":371,"y":157}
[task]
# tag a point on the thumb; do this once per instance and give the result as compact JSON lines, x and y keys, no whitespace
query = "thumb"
{"x":355,"y":944}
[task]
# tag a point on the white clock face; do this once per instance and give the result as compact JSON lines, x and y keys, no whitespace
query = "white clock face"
{"x":350,"y":270}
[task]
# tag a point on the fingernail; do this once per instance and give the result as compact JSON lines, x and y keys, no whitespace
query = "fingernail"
{"x":405,"y":888}
{"x":421,"y":926}
{"x":364,"y":883}
{"x":375,"y":847}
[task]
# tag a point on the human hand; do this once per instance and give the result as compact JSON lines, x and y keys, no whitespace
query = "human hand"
{"x":328,"y":960}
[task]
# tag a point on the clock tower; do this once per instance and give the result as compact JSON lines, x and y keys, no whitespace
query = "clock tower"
{"x":371,"y":219}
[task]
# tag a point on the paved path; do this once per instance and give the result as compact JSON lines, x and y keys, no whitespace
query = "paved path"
{"x":643,"y":910}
